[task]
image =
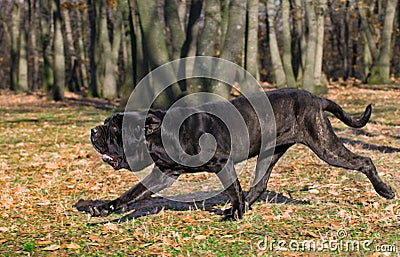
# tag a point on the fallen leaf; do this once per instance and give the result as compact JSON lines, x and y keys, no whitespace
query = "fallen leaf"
{"x":51,"y":248}
{"x":72,"y":246}
{"x":200,"y":237}
{"x":4,"y":229}
{"x":2,"y":241}
{"x":47,"y":242}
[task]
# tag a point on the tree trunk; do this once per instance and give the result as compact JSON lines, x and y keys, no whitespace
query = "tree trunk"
{"x":173,"y":24}
{"x":300,"y":40}
{"x":207,"y":43}
{"x":287,"y":44}
{"x":47,"y":29}
{"x":251,"y":56}
{"x":15,"y":31}
{"x":93,"y":8}
{"x":81,"y":51}
{"x":140,"y":64}
{"x":156,"y":48}
{"x":71,"y":77}
{"x":233,"y":47}
{"x":208,"y":38}
{"x":381,"y":72}
{"x":23,"y":78}
{"x":367,"y":32}
{"x":33,"y":43}
{"x":111,"y":52}
{"x":320,"y":82}
{"x":277,"y":66}
{"x":309,"y":68}
{"x":59,"y":58}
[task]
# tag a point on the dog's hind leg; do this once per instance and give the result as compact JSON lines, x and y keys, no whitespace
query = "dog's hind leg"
{"x":264,"y":166}
{"x":232,"y":187}
{"x":323,"y":141}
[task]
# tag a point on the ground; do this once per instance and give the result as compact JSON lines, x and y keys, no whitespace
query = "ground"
{"x":48,"y":164}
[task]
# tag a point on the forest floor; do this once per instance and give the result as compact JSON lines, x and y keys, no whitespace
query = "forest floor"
{"x":48,"y":163}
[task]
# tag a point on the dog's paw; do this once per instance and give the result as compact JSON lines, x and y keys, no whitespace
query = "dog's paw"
{"x":235,"y":213}
{"x":96,"y":208}
{"x":385,"y":191}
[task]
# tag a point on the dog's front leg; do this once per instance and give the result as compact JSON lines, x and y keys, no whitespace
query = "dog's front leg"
{"x":232,"y":187}
{"x":156,"y":181}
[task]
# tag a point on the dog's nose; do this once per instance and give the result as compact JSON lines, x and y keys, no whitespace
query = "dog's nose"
{"x":95,"y":131}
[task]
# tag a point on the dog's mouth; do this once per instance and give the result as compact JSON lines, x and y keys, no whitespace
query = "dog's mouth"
{"x":110,"y":160}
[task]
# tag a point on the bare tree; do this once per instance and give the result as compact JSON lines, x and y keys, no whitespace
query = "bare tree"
{"x":15,"y":39}
{"x":287,"y":44}
{"x":277,"y":67}
{"x":59,"y":55}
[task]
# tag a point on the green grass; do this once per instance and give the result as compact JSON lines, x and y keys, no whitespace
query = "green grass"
{"x":47,"y":164}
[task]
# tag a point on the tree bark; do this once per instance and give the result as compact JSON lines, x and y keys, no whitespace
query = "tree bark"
{"x":309,"y":68}
{"x":320,"y":82}
{"x":23,"y":77}
{"x":156,"y":47}
{"x":71,"y":58}
{"x":15,"y":31}
{"x":47,"y":29}
{"x":111,"y":52}
{"x":173,"y":24}
{"x":251,"y":64}
{"x":233,"y":47}
{"x":300,"y":40}
{"x":276,"y":60}
{"x":59,"y":57}
{"x":81,"y":51}
{"x":207,"y":43}
{"x":33,"y":43}
{"x":287,"y":44}
{"x":381,"y":72}
{"x":93,"y":13}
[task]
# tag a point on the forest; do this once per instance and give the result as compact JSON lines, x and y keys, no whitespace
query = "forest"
{"x":67,"y":65}
{"x":104,"y":48}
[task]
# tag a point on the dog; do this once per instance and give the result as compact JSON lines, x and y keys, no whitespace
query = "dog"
{"x":299,"y":118}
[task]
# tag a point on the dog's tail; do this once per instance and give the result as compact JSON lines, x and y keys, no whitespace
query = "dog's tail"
{"x":336,"y":110}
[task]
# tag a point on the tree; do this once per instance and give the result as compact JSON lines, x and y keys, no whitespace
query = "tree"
{"x":23,"y":79}
{"x":47,"y":29}
{"x":251,"y":55}
{"x":381,"y":56}
{"x":111,"y":51}
{"x":59,"y":58}
{"x":233,"y":44}
{"x":15,"y":39}
{"x":287,"y":44}
{"x":314,"y":52}
{"x":155,"y":46}
{"x":277,"y":67}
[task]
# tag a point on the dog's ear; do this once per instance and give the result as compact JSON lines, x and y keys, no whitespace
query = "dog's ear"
{"x":115,"y":118}
{"x":153,"y":122}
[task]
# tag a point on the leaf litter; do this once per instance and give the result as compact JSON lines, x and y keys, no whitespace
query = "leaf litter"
{"x":47,"y":164}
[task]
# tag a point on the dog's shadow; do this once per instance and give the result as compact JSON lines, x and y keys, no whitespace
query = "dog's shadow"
{"x":154,"y":205}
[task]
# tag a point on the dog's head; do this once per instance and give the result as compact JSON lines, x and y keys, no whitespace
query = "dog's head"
{"x":109,"y":140}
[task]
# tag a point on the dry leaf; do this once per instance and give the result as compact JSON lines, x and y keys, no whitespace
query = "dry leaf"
{"x":72,"y":246}
{"x":4,"y":229}
{"x":47,"y":242}
{"x":200,"y":237}
{"x":2,"y":241}
{"x":51,"y":248}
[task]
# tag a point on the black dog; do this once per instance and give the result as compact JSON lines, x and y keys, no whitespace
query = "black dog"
{"x":299,"y":117}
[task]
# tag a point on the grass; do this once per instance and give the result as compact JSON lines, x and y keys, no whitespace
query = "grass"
{"x":47,"y":164}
